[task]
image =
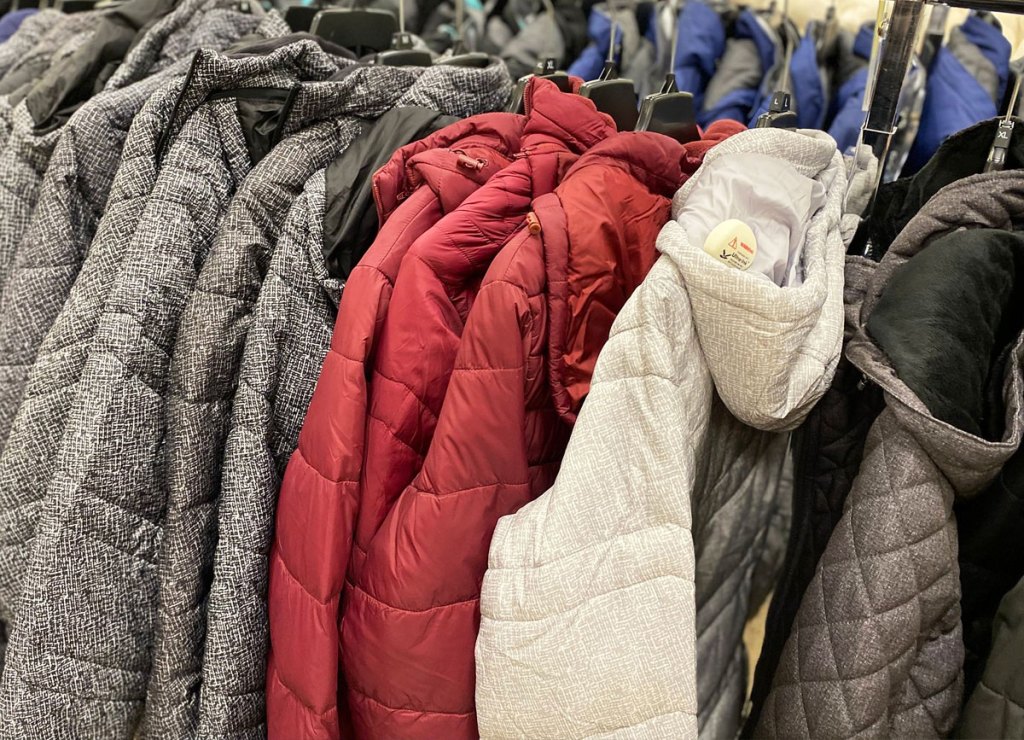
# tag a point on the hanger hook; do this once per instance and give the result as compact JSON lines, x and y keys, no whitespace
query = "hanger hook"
{"x":675,"y":37}
{"x":614,"y":17}
{"x":1014,"y":98}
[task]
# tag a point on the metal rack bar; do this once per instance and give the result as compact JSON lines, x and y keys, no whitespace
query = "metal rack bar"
{"x":996,"y":6}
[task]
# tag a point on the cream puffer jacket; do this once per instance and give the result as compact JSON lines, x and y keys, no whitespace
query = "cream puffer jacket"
{"x":614,"y":604}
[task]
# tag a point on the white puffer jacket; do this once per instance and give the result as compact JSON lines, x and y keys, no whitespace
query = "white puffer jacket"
{"x":614,"y":604}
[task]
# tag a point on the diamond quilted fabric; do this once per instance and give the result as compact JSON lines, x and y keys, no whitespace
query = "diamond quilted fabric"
{"x":614,"y":605}
{"x":876,"y":649}
{"x":79,"y":174}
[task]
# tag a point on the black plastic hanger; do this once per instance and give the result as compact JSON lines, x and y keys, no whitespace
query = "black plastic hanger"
{"x":611,"y":95}
{"x":546,"y":69}
{"x":670,"y":111}
{"x":362,"y":31}
{"x":301,"y":17}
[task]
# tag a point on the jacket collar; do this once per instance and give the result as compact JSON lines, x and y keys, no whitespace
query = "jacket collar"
{"x":424,"y":161}
{"x":989,"y":201}
{"x":794,"y":332}
{"x":566,"y":121}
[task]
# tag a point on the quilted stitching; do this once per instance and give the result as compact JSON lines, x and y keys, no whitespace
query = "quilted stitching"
{"x":209,"y":352}
{"x":48,"y":262}
{"x":284,"y":349}
{"x":114,"y":430}
{"x":613,"y":606}
{"x":876,"y":647}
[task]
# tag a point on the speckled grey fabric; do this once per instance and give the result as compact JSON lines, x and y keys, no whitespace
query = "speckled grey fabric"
{"x":45,"y":259}
{"x":208,"y":353}
{"x":73,"y":198}
{"x":876,"y":649}
{"x":27,"y":36}
{"x":287,"y":341}
{"x":91,"y":379}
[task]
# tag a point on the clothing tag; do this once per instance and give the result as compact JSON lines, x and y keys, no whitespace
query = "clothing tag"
{"x":732,"y":242}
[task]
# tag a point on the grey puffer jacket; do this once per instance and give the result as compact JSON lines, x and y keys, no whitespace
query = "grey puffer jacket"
{"x":79,"y":174}
{"x":97,"y":366}
{"x":208,"y":353}
{"x":876,"y":648}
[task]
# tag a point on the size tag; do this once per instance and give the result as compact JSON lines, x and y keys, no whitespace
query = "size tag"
{"x":732,"y":242}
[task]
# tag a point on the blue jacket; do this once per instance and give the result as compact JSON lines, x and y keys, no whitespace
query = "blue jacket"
{"x":848,"y":103}
{"x":955,"y":99}
{"x":805,"y":85}
{"x":738,"y":104}
{"x":11,"y":22}
{"x":701,"y":44}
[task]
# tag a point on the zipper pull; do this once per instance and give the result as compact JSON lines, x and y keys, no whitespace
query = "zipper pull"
{"x":470,"y":163}
{"x":533,"y":223}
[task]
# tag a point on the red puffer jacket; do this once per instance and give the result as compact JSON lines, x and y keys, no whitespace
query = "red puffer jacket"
{"x":545,"y":309}
{"x":435,"y":290}
{"x":319,"y":496}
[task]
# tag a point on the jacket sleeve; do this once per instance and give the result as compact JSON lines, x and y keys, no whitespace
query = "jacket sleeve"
{"x":413,"y":617}
{"x":588,"y":621}
{"x":876,"y":648}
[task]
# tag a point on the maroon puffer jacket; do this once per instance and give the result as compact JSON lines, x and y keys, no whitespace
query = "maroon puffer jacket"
{"x":436,"y":286}
{"x":319,"y":496}
{"x":544,"y":310}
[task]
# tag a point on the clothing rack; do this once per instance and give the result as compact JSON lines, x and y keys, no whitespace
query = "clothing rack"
{"x":897,"y":49}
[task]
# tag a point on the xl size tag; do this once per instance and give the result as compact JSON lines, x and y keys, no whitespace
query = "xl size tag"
{"x":732,"y":242}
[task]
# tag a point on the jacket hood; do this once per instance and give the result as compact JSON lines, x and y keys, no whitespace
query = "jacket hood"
{"x":797,"y":330}
{"x":350,"y":219}
{"x":595,"y":262}
{"x":960,"y":156}
{"x":416,"y":163}
{"x":921,"y":311}
{"x":570,"y":121}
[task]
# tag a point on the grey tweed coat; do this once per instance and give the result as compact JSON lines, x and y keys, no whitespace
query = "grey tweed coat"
{"x":287,"y":341}
{"x":876,"y":649}
{"x":93,"y":369}
{"x":45,"y":260}
{"x":208,"y":352}
{"x":27,"y":36}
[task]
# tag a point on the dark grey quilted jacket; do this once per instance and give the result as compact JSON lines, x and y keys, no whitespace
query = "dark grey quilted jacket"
{"x":74,"y":190}
{"x":876,"y":649}
{"x":110,"y":343}
{"x":208,"y":353}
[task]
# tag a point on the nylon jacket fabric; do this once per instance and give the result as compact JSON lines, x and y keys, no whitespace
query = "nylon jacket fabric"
{"x":78,"y":178}
{"x":995,"y":707}
{"x":207,"y":353}
{"x":805,"y":84}
{"x":701,"y":45}
{"x":113,"y":391}
{"x":433,"y":295}
{"x":613,"y":606}
{"x":897,"y":588}
{"x":848,"y":115}
{"x":521,"y":371}
{"x":957,"y":94}
{"x":308,"y":564}
{"x":74,"y":197}
{"x":750,"y":54}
